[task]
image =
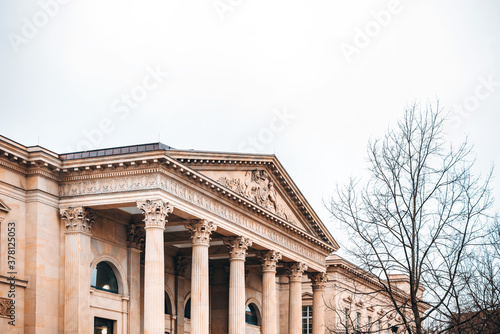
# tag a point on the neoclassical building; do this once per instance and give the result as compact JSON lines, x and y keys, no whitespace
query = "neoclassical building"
{"x":150,"y":239}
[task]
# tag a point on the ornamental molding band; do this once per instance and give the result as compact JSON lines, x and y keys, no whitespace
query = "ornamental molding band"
{"x":78,"y":219}
{"x":295,"y":271}
{"x":201,"y":231}
{"x":136,"y":237}
{"x":238,"y":247}
{"x":6,"y":307}
{"x":180,"y":265}
{"x":159,"y":180}
{"x":155,"y":212}
{"x":258,"y":187}
{"x":318,"y":280}
{"x":269,"y":259}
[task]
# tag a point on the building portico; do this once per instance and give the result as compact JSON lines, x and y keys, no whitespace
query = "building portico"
{"x":197,"y":242}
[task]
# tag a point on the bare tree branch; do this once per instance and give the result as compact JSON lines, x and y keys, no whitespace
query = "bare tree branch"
{"x":423,"y":214}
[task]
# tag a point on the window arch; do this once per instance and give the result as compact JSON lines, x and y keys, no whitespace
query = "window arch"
{"x":117,"y":270}
{"x":104,"y":278}
{"x":168,"y":304}
{"x":252,"y":316}
{"x":187,"y":309}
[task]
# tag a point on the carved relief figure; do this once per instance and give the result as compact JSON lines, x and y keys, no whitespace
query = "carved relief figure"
{"x":258,"y":187}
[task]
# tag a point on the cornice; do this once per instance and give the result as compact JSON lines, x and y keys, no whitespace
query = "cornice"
{"x":45,"y":173}
{"x":367,"y":277}
{"x":13,"y":165}
{"x":30,"y":163}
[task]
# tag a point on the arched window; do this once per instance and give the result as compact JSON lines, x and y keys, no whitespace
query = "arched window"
{"x":187,"y":309}
{"x":168,"y":305}
{"x":252,"y":315}
{"x":103,"y":278}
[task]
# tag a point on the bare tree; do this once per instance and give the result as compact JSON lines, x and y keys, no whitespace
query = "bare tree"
{"x":422,"y":213}
{"x":478,"y":305}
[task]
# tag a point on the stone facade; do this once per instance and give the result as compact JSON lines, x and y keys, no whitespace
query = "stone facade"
{"x":354,"y":300}
{"x":149,"y":239}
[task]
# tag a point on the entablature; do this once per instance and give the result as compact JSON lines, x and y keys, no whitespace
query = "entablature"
{"x":202,"y":193}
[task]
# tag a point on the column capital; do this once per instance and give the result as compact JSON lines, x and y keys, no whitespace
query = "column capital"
{"x":78,"y":219}
{"x":295,"y":271}
{"x":180,"y":265}
{"x":269,"y":259}
{"x":155,"y":212}
{"x":135,"y":237}
{"x":318,"y":280}
{"x":237,"y":247}
{"x":201,"y":231}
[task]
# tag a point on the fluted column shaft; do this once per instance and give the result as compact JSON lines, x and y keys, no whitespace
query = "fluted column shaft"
{"x":181,"y":264}
{"x":199,"y":290}
{"x":269,"y":315}
{"x":155,"y":213}
{"x":237,"y":250}
{"x":200,"y":235}
{"x":135,"y":243}
{"x":78,"y":223}
{"x":154,"y":281}
{"x":295,"y":299}
{"x":318,"y":284}
{"x":134,"y":283}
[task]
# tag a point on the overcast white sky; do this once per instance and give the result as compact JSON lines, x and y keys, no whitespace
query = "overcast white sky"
{"x":92,"y":74}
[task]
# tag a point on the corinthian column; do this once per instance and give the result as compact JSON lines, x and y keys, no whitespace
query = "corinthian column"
{"x":78,"y":222}
{"x":295,"y":271}
{"x":155,"y":214}
{"x":318,"y":284}
{"x":269,"y":317}
{"x":200,"y":235}
{"x":237,"y":253}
